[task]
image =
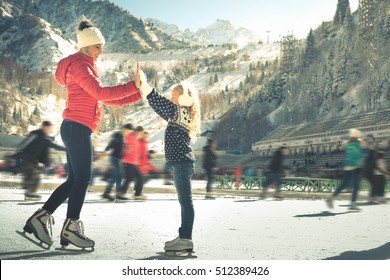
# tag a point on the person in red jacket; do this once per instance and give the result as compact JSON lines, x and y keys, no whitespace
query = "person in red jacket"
{"x":131,"y":162}
{"x":146,"y":167}
{"x":85,"y":94}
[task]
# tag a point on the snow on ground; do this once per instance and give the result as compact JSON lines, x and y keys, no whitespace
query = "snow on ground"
{"x":227,"y":228}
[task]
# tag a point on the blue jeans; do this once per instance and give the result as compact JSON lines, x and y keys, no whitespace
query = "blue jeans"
{"x":117,"y":178}
{"x":78,"y":143}
{"x":182,"y":173}
{"x":273,"y":177}
{"x":350,"y":178}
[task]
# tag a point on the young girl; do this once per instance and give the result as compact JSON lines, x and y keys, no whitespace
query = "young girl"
{"x":81,"y":116}
{"x":182,"y":112}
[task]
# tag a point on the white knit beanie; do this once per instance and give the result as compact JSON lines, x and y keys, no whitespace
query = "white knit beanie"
{"x":89,"y":36}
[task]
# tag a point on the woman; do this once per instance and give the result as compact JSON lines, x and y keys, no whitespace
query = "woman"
{"x":182,"y":112}
{"x":81,"y":117}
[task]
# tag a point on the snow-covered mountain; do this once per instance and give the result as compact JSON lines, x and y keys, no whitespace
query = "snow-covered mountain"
{"x":218,"y":33}
{"x":45,"y":30}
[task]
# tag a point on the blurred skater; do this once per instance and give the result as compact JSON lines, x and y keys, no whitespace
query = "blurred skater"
{"x":352,"y":168}
{"x":35,"y":150}
{"x":378,"y":192}
{"x":369,"y":167}
{"x":209,"y":164}
{"x":147,"y":169}
{"x":116,"y":147}
{"x":274,"y":173}
{"x":131,"y":162}
{"x":237,"y":174}
{"x":182,"y":112}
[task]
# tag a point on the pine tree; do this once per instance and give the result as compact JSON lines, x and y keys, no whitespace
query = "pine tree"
{"x":384,"y":21}
{"x":339,"y":83}
{"x":310,"y":52}
{"x":343,"y":8}
{"x":348,"y":25}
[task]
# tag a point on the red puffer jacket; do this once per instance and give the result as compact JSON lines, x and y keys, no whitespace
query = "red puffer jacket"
{"x":84,"y":89}
{"x":131,"y":151}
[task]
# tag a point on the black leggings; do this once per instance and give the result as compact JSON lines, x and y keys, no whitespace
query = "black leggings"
{"x":78,"y":142}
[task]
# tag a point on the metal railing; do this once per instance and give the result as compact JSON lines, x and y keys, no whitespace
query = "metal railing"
{"x":288,"y":184}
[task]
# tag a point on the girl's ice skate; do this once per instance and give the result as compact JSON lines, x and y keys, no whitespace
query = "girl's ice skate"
{"x":73,"y":232}
{"x":39,"y":224}
{"x":179,"y":247}
{"x":169,"y":243}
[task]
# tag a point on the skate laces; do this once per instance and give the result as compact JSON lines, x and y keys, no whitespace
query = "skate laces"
{"x":48,"y":224}
{"x":79,"y":228}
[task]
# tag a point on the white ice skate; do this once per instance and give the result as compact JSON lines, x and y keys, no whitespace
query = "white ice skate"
{"x":179,"y":247}
{"x":140,"y":197}
{"x":121,"y":198}
{"x":39,"y":224}
{"x":353,"y":207}
{"x":73,"y":232}
{"x":169,"y":243}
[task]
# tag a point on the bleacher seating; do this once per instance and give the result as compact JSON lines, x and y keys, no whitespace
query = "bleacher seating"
{"x":341,"y":124}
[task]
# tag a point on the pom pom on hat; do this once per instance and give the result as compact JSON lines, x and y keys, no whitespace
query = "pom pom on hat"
{"x":88,"y":35}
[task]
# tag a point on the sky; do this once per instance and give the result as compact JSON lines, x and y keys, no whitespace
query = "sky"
{"x":279,"y":17}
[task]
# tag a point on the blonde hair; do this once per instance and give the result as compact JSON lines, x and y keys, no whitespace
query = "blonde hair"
{"x":194,"y":127}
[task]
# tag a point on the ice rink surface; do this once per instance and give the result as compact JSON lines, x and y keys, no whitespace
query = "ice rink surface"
{"x":226,"y":228}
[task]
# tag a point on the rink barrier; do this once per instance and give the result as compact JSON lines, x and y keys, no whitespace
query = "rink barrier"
{"x":243,"y":182}
{"x":288,"y":184}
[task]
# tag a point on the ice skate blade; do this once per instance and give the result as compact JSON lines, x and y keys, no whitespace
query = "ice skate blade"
{"x":99,"y":200}
{"x":78,"y":250}
{"x":32,"y":198}
{"x":121,"y":200}
{"x":354,"y":209}
{"x":180,"y":254}
{"x":40,"y":244}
